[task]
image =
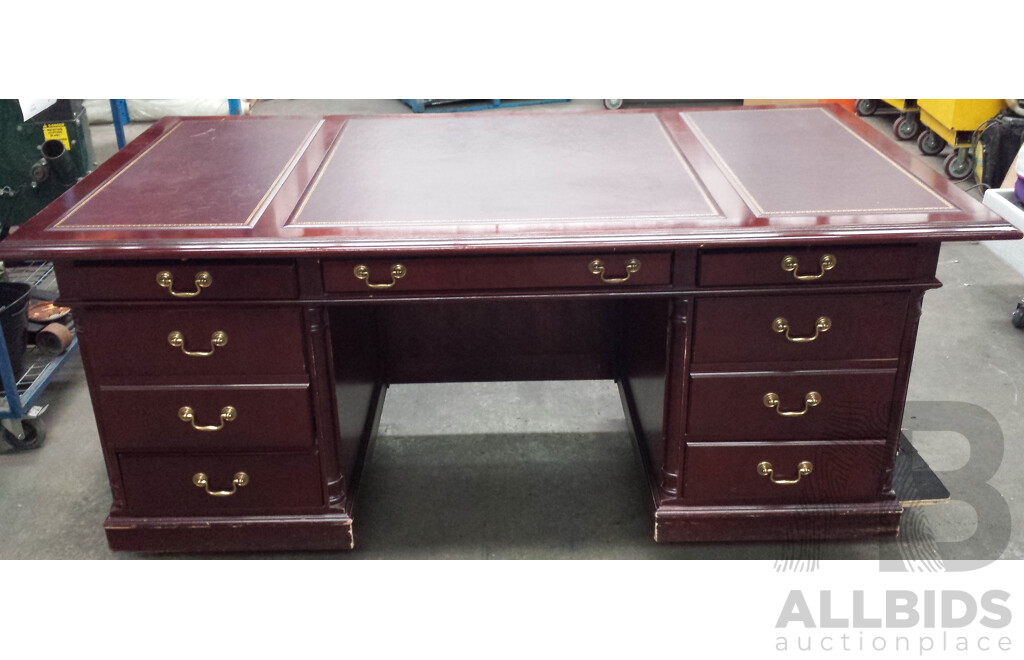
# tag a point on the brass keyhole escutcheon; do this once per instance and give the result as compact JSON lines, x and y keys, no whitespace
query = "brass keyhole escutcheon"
{"x":771,"y":400}
{"x":791,"y":265}
{"x":398,"y":271}
{"x":765,"y":469}
{"x":822,"y":325}
{"x":203,"y":280}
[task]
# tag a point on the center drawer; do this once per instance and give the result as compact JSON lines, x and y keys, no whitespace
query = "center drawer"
{"x":206,"y":418}
{"x":608,"y":270}
{"x":804,"y":405}
{"x":194,"y":341}
{"x":797,"y":328}
{"x":163,"y":484}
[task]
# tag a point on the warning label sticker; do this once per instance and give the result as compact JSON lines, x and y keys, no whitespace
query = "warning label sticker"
{"x":57,"y":132}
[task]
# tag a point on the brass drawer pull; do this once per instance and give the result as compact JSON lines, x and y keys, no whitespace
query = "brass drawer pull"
{"x":177,"y":340}
{"x":202,"y":481}
{"x":203,"y":280}
{"x":790,"y":265}
{"x":771,"y":400}
{"x":823,"y":324}
{"x":597,"y":268}
{"x":398,"y":271}
{"x":764,"y":468}
{"x":227,"y":414}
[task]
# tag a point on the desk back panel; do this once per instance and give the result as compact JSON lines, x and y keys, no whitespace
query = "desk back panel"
{"x":476,"y":341}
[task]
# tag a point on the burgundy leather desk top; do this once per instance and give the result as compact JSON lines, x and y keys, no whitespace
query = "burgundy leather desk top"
{"x":203,"y":173}
{"x":500,"y":182}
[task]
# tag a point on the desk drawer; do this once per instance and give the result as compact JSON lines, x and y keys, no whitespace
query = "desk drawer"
{"x":165,"y":484}
{"x":203,"y":340}
{"x":184,"y":281}
{"x":728,"y":473}
{"x":733,"y":406}
{"x":795,"y":328}
{"x":151,"y":418}
{"x":400,"y":275}
{"x":808,"y":266}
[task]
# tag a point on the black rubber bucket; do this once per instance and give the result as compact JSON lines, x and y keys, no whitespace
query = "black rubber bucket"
{"x":14,"y":319}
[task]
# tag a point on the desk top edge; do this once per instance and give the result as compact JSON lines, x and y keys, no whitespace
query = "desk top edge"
{"x":735,"y":224}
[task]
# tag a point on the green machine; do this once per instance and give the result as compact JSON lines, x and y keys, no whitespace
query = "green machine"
{"x":40,"y":158}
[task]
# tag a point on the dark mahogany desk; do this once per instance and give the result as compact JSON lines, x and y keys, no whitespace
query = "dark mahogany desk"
{"x":246,"y":289}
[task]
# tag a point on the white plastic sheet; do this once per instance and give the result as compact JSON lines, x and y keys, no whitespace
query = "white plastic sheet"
{"x":153,"y":109}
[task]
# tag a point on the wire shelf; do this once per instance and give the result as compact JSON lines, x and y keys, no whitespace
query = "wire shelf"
{"x":38,"y":368}
{"x":35,"y":364}
{"x":37,"y":273}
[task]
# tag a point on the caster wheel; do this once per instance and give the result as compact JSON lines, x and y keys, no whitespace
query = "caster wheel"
{"x":958,"y":168}
{"x":613,"y":104}
{"x":906,"y":127}
{"x":35,"y":432}
{"x":866,"y":107}
{"x":930,"y":143}
{"x":1018,"y":316}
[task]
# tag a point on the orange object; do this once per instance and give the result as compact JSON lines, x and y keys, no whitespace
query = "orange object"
{"x":846,"y":103}
{"x":54,"y":339}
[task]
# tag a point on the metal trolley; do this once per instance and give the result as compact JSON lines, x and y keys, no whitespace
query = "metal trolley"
{"x":19,"y":414}
{"x":955,"y":122}
{"x":907,"y":125}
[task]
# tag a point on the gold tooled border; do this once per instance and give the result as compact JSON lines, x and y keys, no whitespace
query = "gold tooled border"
{"x":715,"y":212}
{"x":690,"y":119}
{"x":248,"y":222}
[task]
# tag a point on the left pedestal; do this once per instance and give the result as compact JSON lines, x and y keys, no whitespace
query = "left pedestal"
{"x":207,"y":384}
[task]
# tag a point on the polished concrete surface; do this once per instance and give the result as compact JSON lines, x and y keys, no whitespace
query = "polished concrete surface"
{"x":547,"y":470}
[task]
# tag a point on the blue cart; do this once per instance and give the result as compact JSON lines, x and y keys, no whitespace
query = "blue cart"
{"x":466,"y":105}
{"x":19,"y":414}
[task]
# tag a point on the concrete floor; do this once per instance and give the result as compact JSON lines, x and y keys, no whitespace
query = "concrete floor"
{"x":547,"y":470}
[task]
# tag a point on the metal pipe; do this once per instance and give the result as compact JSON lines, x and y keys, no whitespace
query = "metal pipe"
{"x":60,"y":161}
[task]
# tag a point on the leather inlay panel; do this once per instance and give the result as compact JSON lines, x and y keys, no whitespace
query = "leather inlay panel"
{"x":201,"y":157}
{"x":524,"y":168}
{"x":801,"y":161}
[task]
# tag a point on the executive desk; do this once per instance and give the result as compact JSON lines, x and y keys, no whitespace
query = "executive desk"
{"x":245,"y":289}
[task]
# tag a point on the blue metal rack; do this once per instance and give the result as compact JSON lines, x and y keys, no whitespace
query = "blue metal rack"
{"x":20,"y":391}
{"x":465,"y":105}
{"x":119,"y":115}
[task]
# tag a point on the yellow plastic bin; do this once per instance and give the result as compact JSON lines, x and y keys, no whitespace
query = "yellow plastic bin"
{"x":953,"y":122}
